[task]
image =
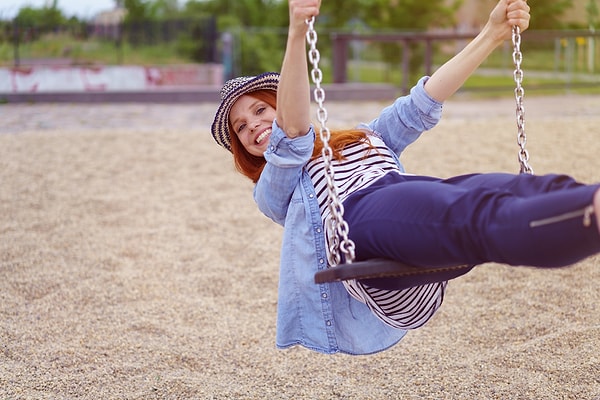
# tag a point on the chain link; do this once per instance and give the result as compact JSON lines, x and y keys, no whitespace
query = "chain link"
{"x":519,"y":94}
{"x":338,"y":227}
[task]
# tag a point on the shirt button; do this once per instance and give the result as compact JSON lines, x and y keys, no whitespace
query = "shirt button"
{"x":324,"y":295}
{"x":328,"y":323}
{"x":311,"y":195}
{"x":319,"y":230}
{"x":321,"y":261}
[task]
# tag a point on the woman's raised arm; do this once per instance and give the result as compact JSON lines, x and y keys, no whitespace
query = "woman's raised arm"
{"x":293,"y":95}
{"x":452,"y":75}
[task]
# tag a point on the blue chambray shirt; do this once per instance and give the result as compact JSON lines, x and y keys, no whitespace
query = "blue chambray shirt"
{"x":325,"y":318}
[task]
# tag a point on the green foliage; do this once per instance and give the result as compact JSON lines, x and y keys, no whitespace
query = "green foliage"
{"x":143,"y":10}
{"x":592,"y":13}
{"x":92,"y":51}
{"x":410,"y":14}
{"x":45,"y":17}
{"x":164,"y":9}
{"x":263,"y":51}
{"x":389,"y":14}
{"x":137,"y":11}
{"x":546,"y":14}
{"x":258,"y":50}
{"x":250,"y":13}
{"x":197,"y":42}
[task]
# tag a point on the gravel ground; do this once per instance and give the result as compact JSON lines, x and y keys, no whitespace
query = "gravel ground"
{"x":134,"y":265}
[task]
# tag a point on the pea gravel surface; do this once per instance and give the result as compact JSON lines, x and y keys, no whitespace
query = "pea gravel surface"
{"x":135,"y":265}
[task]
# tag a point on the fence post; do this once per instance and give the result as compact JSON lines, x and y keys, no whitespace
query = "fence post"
{"x":227,"y":39}
{"x":119,"y":43}
{"x":406,"y":54}
{"x":591,"y":52}
{"x":16,"y":35}
{"x":428,"y":57}
{"x":340,"y":58}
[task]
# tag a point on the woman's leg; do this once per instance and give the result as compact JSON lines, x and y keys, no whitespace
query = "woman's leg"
{"x":518,"y":185}
{"x":511,"y":219}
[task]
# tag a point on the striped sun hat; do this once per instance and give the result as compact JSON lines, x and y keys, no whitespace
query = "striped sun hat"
{"x":230,"y":93}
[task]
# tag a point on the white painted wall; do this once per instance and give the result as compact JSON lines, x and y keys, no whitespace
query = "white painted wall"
{"x":35,"y":79}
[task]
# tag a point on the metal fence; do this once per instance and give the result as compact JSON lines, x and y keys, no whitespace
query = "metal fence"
{"x":555,"y":58}
{"x":572,"y":57}
{"x":195,"y":38}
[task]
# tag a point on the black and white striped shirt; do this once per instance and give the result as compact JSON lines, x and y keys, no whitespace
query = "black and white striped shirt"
{"x":362,"y":164}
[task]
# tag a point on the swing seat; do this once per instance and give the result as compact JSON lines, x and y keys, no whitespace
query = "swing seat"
{"x":389,"y":274}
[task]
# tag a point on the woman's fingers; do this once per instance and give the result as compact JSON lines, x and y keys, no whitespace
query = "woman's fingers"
{"x":517,"y":13}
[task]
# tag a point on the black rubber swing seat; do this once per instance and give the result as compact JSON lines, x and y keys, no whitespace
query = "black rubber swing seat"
{"x":389,"y":274}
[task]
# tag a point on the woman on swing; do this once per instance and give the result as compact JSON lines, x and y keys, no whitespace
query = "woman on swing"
{"x":422,"y":221}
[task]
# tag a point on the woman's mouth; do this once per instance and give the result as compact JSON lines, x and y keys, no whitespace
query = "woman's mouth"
{"x":263,"y":135}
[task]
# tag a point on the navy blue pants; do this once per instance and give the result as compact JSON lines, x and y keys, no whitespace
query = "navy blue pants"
{"x":473,"y":219}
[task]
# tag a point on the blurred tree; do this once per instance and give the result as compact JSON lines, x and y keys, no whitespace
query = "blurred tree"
{"x":249,"y":13}
{"x":137,"y":23}
{"x":592,"y":13}
{"x":164,"y":9}
{"x":46,"y":17}
{"x":391,"y":14}
{"x":137,"y":10}
{"x":258,"y":27}
{"x":546,"y":14}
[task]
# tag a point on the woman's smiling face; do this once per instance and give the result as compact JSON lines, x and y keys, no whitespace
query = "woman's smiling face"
{"x":251,"y":120}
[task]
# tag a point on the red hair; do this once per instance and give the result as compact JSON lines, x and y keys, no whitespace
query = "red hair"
{"x":246,"y":163}
{"x":252,"y":166}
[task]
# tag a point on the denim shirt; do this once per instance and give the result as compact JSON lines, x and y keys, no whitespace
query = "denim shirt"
{"x":324,"y":317}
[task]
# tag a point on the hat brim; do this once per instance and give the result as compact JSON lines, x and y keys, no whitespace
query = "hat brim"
{"x":220,"y":125}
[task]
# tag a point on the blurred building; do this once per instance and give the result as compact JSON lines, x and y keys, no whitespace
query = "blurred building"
{"x":107,"y":23}
{"x":110,"y":17}
{"x":474,"y":13}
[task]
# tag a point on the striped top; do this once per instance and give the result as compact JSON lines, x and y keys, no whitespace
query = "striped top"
{"x":363,"y":163}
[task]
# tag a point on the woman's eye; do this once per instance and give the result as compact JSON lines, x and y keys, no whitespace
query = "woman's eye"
{"x":260,"y":110}
{"x":241,"y":128}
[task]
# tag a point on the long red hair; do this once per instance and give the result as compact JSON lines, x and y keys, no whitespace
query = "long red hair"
{"x":252,"y":166}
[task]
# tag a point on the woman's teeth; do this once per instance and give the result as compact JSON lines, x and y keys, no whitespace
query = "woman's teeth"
{"x":263,"y":136}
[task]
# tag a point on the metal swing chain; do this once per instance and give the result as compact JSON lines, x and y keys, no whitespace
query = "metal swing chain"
{"x":340,"y":243}
{"x":519,"y":94}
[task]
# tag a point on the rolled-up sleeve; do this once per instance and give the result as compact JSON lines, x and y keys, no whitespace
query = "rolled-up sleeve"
{"x":402,"y":123}
{"x":285,"y":160}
